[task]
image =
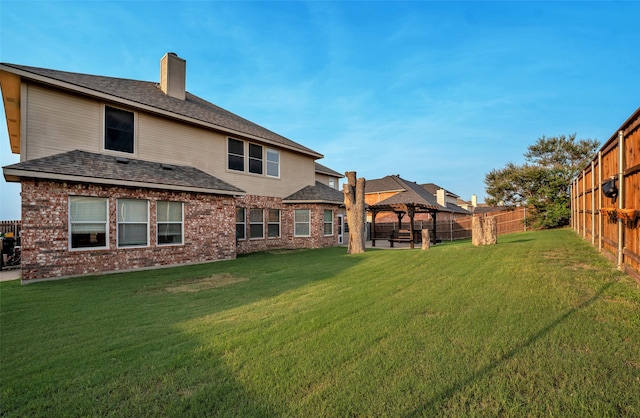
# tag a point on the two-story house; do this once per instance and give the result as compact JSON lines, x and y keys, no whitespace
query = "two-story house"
{"x":120,"y":174}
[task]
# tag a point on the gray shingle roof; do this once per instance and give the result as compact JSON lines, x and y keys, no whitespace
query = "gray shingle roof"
{"x":433,"y":189}
{"x":88,"y":167}
{"x":315,"y":194}
{"x":323,"y":169}
{"x":412,"y":194}
{"x":149,"y":94}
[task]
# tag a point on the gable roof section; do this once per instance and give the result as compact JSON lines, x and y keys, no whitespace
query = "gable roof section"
{"x":319,"y":193}
{"x":411,"y":194}
{"x":88,"y":167}
{"x":433,"y":189}
{"x":322,"y":169}
{"x":147,"y":96}
{"x":386,"y":184}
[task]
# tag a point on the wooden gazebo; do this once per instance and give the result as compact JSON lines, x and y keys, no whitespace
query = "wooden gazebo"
{"x":410,"y":199}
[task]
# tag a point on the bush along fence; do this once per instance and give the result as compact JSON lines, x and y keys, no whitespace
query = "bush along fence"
{"x":461,"y":227}
{"x":605,"y":198}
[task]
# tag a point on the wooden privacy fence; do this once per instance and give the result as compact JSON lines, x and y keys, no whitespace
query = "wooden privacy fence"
{"x":460,"y":228}
{"x":605,"y":198}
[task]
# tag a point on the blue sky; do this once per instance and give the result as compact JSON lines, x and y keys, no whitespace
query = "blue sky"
{"x":436,"y":91}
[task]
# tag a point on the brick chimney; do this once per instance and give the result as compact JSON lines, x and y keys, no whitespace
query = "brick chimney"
{"x":173,"y":70}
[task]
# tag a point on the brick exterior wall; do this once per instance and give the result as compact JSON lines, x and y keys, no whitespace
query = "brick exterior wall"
{"x":209,"y":231}
{"x":287,"y":239}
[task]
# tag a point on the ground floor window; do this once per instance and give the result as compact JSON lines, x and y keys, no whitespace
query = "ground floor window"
{"x":273,"y":223}
{"x":241,"y":224}
{"x":133,"y":223}
{"x":302,"y":223}
{"x":170,"y":222}
{"x":256,"y":223}
{"x":328,"y":222}
{"x":88,"y":220}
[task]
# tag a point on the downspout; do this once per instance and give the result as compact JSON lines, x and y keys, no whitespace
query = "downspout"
{"x":600,"y":224}
{"x":620,"y":198}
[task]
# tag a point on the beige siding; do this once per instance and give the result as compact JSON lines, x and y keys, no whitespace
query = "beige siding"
{"x":171,"y":142}
{"x":58,"y":122}
{"x":324,"y":179}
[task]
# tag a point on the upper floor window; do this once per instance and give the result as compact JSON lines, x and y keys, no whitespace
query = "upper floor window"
{"x":170,"y":222}
{"x":236,"y":155}
{"x":255,"y":159}
{"x":332,"y":183}
{"x":273,"y":163}
{"x":119,"y":127}
{"x":133,"y":223}
{"x":88,"y":222}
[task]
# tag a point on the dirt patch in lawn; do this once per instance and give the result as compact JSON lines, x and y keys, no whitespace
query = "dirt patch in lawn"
{"x":212,"y":282}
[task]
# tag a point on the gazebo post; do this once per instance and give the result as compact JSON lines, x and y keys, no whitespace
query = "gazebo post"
{"x":373,"y":227}
{"x":433,"y":235}
{"x":411,"y":212}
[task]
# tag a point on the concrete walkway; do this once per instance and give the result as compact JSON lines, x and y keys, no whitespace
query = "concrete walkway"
{"x":6,"y":275}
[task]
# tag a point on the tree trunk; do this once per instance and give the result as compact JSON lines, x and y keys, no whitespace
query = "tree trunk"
{"x":426,"y":239}
{"x":484,"y":230}
{"x":477,"y":230}
{"x":490,"y":230}
{"x":354,"y":204}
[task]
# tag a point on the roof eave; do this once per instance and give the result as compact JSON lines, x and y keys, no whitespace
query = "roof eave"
{"x":16,"y":175}
{"x":115,"y":99}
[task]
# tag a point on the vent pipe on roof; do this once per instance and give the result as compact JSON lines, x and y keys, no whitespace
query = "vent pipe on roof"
{"x":173,"y":74}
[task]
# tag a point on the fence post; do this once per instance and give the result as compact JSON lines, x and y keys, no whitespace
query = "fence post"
{"x":584,"y":205}
{"x":593,"y":204}
{"x":620,"y":198}
{"x":600,"y":224}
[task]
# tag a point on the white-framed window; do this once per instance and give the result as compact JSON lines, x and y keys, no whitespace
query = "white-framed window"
{"x":256,"y":223}
{"x":273,"y":223}
{"x":302,"y":223}
{"x":332,"y":183}
{"x":133,"y":223}
{"x":235,"y":153}
{"x":241,"y":224}
{"x":328,"y":222}
{"x":119,"y":130}
{"x":88,"y":222}
{"x":170,"y":222}
{"x":255,"y":159}
{"x":273,"y":163}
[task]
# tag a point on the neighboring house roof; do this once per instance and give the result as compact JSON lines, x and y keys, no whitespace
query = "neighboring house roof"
{"x":326,"y":170}
{"x":410,"y":193}
{"x":320,"y":193}
{"x":385,"y":184}
{"x":457,"y":209}
{"x":433,"y":189}
{"x":147,"y":96}
{"x":88,"y":167}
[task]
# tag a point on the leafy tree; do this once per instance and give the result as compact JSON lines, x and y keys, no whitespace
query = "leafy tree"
{"x":543,"y":181}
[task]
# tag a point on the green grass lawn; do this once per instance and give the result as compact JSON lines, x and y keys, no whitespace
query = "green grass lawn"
{"x":538,"y":325}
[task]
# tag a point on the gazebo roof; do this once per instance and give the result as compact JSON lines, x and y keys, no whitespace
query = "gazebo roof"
{"x":411,"y":195}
